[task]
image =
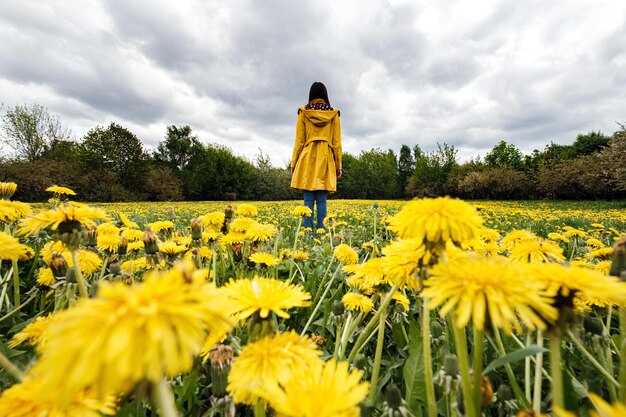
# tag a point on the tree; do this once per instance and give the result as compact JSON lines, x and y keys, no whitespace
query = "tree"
{"x":177,"y":148}
{"x":505,"y":155}
{"x":406,"y":166}
{"x":29,"y":130}
{"x":118,"y":151}
{"x":590,"y":143}
{"x":432,"y":170}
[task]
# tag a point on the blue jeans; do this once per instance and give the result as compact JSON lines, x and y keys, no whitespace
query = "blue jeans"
{"x":317,"y":197}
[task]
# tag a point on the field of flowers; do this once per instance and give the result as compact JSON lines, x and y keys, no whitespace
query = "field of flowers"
{"x":422,"y":308}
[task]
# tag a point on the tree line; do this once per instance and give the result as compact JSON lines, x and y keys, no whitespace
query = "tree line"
{"x":111,"y":164}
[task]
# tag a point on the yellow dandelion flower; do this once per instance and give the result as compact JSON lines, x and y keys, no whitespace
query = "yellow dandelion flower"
{"x":326,"y":389}
{"x":402,"y":260}
{"x":45,"y":277}
{"x":575,"y":233}
{"x":182,"y":240}
{"x":285,"y":254}
{"x":51,"y":248}
{"x":132,"y":235}
{"x":302,"y":211}
{"x":247,"y":210}
{"x":489,"y":235}
{"x":262,"y":258}
{"x":557,"y":237}
{"x":516,"y":236}
{"x":7,"y":189}
{"x":65,"y":218}
{"x":88,"y":262}
{"x":12,"y":211}
{"x":537,"y":250}
{"x":602,"y":253}
{"x":401,"y":299}
{"x":11,"y":248}
{"x":357,"y":302}
{"x":345,"y":254}
{"x":366,"y":276}
{"x":127,"y":222}
{"x":242,"y":224}
{"x":475,"y":288}
{"x":320,"y":231}
{"x":211,"y":235}
{"x":265,"y":295}
{"x":56,"y":189}
{"x":437,"y":220}
{"x":300,"y":256}
{"x":135,"y":246}
{"x":204,"y":253}
{"x":604,"y":267}
{"x":143,"y":332}
{"x":214,"y":219}
{"x":32,"y":397}
{"x":161,"y":225}
{"x":595,"y":243}
{"x":171,"y":248}
{"x":486,"y":248}
{"x":33,"y":334}
{"x":605,"y":409}
{"x":566,"y":284}
{"x":597,"y":225}
{"x":271,"y":360}
{"x":108,"y":228}
{"x":233,"y":238}
{"x":108,"y":242}
{"x":261,"y":233}
{"x":134,"y":265}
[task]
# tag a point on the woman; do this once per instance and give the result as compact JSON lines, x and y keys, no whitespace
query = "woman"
{"x":316,"y":159}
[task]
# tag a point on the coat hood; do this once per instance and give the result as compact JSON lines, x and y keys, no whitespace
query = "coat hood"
{"x":319,"y":117}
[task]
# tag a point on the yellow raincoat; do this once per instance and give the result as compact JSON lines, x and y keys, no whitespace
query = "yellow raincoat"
{"x":317,"y":150}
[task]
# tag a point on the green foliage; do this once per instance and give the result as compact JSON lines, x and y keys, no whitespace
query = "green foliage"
{"x":505,"y":155}
{"x":432,"y":170}
{"x":406,"y":166}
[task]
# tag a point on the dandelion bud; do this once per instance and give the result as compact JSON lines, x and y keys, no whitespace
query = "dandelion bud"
{"x":229,"y":211}
{"x":338,"y":308}
{"x":122,"y":248}
{"x":221,"y":357}
{"x":360,"y":361}
{"x":436,"y":329}
{"x":115,"y":268}
{"x":58,"y":265}
{"x":70,"y":275}
{"x":592,"y":325}
{"x":7,"y":189}
{"x":196,"y":229}
{"x":504,"y":392}
{"x":90,"y":236}
{"x":375,"y":205}
{"x":259,"y":327}
{"x":451,"y":364}
{"x":150,"y":241}
{"x":393,"y":396}
{"x":618,"y":266}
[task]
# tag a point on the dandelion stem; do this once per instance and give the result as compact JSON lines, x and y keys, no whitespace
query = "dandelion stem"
{"x":16,"y":283}
{"x":428,"y":361}
{"x":10,"y":367}
{"x":610,"y":378}
{"x":82,"y":287}
{"x":18,"y":308}
{"x":509,"y":371}
{"x":477,"y":367}
{"x":319,"y":302}
{"x":259,"y":408}
{"x":527,"y":380}
{"x":622,"y":345}
{"x":164,"y":398}
{"x":377,"y":357}
{"x":558,"y":398}
{"x":295,"y":244}
{"x":317,"y":293}
{"x":373,"y":321}
{"x":538,"y":379}
{"x":461,"y":352}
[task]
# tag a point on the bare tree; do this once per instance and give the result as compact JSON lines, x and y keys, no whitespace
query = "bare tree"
{"x":29,"y":130}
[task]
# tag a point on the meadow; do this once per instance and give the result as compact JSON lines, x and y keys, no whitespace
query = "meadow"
{"x":421,"y":308}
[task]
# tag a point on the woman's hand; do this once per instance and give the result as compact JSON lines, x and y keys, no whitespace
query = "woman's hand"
{"x":338,"y":173}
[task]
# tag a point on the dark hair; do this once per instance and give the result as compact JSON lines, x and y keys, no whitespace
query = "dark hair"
{"x":318,"y":90}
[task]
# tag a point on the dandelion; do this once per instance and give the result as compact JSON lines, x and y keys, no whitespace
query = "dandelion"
{"x":247,"y":210}
{"x":108,"y":242}
{"x":11,"y":248}
{"x":357,"y":302}
{"x":171,"y":248}
{"x":302,"y":211}
{"x":242,"y":225}
{"x":300,"y":256}
{"x":88,"y":262}
{"x":134,"y":246}
{"x":345,"y":254}
{"x":402,"y":259}
{"x":557,"y":237}
{"x":595,"y":243}
{"x":33,"y":334}
{"x":45,"y":277}
{"x":602,"y":253}
{"x":516,"y":236}
{"x":266,"y":259}
{"x":132,"y":234}
{"x":127,"y":222}
{"x":213,"y":220}
{"x":144,"y":332}
{"x":7,"y":189}
{"x":575,"y":233}
{"x":64,"y":218}
{"x":272,"y":360}
{"x":261,"y":233}
{"x":12,"y":211}
{"x":265,"y":295}
{"x":161,"y":226}
{"x":327,"y":389}
{"x":32,"y":397}
{"x":488,"y":289}
{"x":437,"y":220}
{"x":536,"y":250}
{"x":401,"y":300}
{"x":56,"y":189}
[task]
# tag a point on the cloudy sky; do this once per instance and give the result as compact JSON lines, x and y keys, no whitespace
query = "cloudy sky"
{"x":466,"y":73}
